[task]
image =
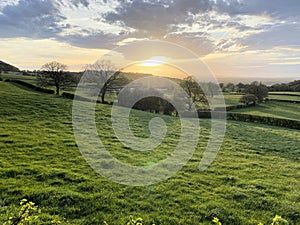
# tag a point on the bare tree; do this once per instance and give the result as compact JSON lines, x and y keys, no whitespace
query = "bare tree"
{"x":54,"y":74}
{"x":104,"y":74}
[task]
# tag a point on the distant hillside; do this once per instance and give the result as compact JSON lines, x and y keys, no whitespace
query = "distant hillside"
{"x":6,"y":67}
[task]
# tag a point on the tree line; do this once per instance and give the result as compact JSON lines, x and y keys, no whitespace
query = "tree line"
{"x":105,"y":74}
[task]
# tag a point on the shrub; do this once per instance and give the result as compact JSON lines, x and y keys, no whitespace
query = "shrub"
{"x":27,"y":214}
{"x":249,"y":99}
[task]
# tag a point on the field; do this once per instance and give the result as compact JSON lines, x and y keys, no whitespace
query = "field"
{"x":232,"y":99}
{"x":284,"y":93}
{"x":285,"y":97}
{"x":255,"y":176}
{"x":274,"y":109}
{"x":28,"y":79}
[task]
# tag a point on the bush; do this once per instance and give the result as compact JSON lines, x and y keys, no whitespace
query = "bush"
{"x":249,"y":99}
{"x":293,"y":124}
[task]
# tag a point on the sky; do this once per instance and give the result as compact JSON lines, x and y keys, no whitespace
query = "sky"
{"x":239,"y":40}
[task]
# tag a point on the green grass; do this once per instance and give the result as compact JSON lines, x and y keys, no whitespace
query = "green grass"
{"x":274,"y":109}
{"x":285,"y":97}
{"x":255,"y":176}
{"x":231,"y":99}
{"x":28,"y":79}
{"x":284,"y":93}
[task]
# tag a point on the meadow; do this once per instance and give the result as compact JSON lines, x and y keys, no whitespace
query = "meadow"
{"x":285,"y":97}
{"x":274,"y":109}
{"x":25,"y":78}
{"x":232,"y":99}
{"x":254,"y":177}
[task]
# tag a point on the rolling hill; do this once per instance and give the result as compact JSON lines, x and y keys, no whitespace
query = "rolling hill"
{"x":253,"y":178}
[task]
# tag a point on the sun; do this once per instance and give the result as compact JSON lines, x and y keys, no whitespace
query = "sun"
{"x":154,"y":61}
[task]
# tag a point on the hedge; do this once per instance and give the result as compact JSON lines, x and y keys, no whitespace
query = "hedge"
{"x":293,"y":124}
{"x":282,"y":100}
{"x":233,"y":107}
{"x":31,"y":86}
{"x":72,"y":96}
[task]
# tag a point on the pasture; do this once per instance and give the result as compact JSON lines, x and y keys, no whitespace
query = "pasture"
{"x":274,"y":109}
{"x":255,"y":175}
{"x":28,"y":79}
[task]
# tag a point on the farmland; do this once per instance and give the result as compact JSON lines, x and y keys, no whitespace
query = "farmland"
{"x":254,"y":177}
{"x":274,"y":109}
{"x":28,"y":79}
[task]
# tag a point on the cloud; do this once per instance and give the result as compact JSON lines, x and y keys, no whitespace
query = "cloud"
{"x":31,"y":18}
{"x":198,"y":42}
{"x":275,"y":8}
{"x":74,"y":3}
{"x":93,"y":39}
{"x":155,"y":18}
{"x":204,"y":26}
{"x":280,"y":35}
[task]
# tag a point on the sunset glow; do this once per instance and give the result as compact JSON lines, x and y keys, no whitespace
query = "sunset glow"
{"x":154,"y":61}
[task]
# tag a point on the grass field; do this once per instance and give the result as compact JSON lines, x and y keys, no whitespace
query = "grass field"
{"x":232,"y":99}
{"x":285,"y":97}
{"x":284,"y":93}
{"x":255,"y":176}
{"x":28,"y":79}
{"x":274,"y":109}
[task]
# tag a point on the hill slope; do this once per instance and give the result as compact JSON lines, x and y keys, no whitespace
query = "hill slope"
{"x":254,"y":177}
{"x":7,"y":67}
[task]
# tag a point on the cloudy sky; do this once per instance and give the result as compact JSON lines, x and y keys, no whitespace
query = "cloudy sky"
{"x":237,"y":39}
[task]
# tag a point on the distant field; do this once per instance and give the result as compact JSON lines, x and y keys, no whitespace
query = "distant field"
{"x":231,"y":99}
{"x":255,"y":176}
{"x":285,"y":97}
{"x":29,"y":79}
{"x":284,"y":93}
{"x":274,"y":109}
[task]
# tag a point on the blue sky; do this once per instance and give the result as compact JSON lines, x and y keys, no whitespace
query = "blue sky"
{"x":238,"y":39}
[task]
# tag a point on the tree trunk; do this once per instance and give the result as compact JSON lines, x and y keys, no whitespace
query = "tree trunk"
{"x":103,"y":95}
{"x":57,"y":90}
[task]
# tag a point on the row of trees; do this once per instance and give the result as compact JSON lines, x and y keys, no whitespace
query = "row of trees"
{"x":105,"y":74}
{"x":241,"y":88}
{"x":291,"y":86}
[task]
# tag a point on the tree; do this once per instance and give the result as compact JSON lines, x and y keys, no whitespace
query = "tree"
{"x":295,"y":85}
{"x":195,"y":92}
{"x":240,"y":87}
{"x":155,"y":102}
{"x":258,"y":89}
{"x":211,"y":88}
{"x":248,"y":99}
{"x":230,"y":87}
{"x":104,"y":74}
{"x":53,"y":74}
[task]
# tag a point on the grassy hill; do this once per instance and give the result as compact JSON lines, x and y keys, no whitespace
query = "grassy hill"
{"x":255,"y":176}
